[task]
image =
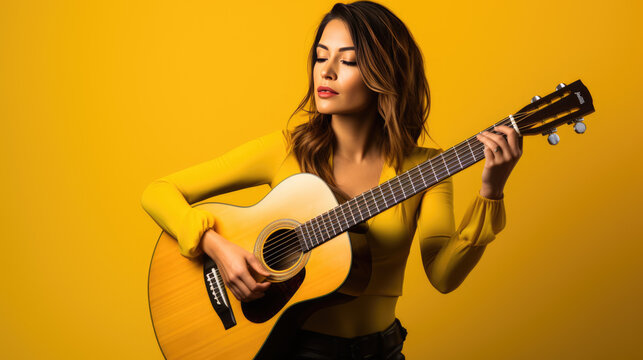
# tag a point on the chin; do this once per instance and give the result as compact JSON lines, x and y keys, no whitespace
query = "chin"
{"x":326,"y":110}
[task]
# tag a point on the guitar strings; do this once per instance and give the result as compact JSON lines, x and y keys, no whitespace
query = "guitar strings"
{"x":289,"y":249}
{"x":273,"y":252}
{"x":449,"y":158}
{"x":446,"y":156}
{"x":282,"y":249}
{"x":276,"y":249}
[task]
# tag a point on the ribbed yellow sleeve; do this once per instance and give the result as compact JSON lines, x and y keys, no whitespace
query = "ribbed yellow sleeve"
{"x":167,"y":200}
{"x":448,"y":255}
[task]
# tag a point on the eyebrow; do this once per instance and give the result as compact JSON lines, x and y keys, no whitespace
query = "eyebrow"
{"x":340,"y":49}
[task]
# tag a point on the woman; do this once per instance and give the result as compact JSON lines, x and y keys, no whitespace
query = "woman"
{"x":368,"y":100}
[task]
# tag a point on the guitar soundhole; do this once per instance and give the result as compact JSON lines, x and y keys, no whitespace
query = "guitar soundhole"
{"x":281,"y":250}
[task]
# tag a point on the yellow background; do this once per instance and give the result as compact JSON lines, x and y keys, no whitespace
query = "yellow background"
{"x":97,"y":99}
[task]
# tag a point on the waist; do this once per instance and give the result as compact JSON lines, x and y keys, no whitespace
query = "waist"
{"x":364,"y":315}
{"x":381,"y":344}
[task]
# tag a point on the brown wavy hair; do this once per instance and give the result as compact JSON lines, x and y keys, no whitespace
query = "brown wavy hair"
{"x":392,"y":66}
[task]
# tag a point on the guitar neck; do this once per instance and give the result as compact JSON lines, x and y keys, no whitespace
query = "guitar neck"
{"x":392,"y":192}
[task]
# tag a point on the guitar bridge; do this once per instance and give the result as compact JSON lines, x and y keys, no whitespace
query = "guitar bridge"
{"x":217,"y":294}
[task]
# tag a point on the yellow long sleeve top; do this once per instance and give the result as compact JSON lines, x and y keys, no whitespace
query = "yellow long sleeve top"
{"x":448,"y":254}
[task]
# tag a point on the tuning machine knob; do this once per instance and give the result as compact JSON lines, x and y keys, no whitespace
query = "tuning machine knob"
{"x":560,"y":86}
{"x":535,"y":98}
{"x":579,"y":126}
{"x":552,"y":137}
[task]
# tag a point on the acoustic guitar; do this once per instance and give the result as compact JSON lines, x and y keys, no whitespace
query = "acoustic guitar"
{"x":299,"y":232}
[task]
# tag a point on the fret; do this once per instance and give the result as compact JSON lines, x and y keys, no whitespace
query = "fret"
{"x":307,"y":236}
{"x":332,"y":223}
{"x":329,"y":225}
{"x":472,"y":154}
{"x":366,"y":203}
{"x":350,"y":211}
{"x":318,"y":231}
{"x":422,"y":176}
{"x":455,"y":150}
{"x":392,"y":192}
{"x":358,"y":209}
{"x":313,"y":236}
{"x":399,"y":180}
{"x":339,"y":223}
{"x":374,"y":200}
{"x":432,"y":169}
{"x":344,"y":215}
{"x":411,"y":180}
{"x":473,"y":160}
{"x":383,"y":196}
{"x":445,"y":165}
{"x":323,"y":223}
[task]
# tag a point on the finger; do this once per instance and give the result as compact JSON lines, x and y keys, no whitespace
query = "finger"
{"x":257,"y":266}
{"x":238,"y":282}
{"x":512,"y":138}
{"x":235,"y":291}
{"x":227,"y":283}
{"x":502,"y":143}
{"x":263,"y":286}
{"x":260,"y":291}
{"x":488,"y":146}
{"x":233,"y":288}
{"x":250,"y":284}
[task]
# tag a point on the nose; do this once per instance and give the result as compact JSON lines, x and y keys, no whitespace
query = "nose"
{"x":327,"y":71}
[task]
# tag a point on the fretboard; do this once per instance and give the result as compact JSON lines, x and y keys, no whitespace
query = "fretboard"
{"x":339,"y":219}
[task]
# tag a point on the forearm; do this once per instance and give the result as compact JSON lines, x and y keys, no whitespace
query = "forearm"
{"x":165,"y":205}
{"x":169,"y":209}
{"x":453,"y":263}
{"x":448,"y":258}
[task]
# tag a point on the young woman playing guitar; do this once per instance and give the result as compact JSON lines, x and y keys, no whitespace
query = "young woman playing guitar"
{"x":368,"y":101}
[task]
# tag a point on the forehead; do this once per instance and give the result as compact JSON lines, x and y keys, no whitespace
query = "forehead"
{"x":336,"y":35}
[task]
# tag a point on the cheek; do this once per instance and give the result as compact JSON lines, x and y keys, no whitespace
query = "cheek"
{"x":356,"y":88}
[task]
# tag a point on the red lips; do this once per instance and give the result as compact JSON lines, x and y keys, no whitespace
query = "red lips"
{"x":326,"y":88}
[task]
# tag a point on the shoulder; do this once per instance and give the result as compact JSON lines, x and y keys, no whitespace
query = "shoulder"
{"x":276,"y":137}
{"x":274,"y":142}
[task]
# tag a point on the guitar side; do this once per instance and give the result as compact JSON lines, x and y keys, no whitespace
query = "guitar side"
{"x":183,"y":317}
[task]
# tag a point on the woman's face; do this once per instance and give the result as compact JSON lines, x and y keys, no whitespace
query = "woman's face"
{"x":336,"y":68}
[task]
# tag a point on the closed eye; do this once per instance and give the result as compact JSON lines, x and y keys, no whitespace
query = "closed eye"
{"x":349,"y":63}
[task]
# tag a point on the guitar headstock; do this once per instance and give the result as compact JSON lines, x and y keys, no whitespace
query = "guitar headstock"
{"x":566,"y":105}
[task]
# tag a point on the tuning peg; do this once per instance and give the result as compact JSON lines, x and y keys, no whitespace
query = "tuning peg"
{"x":579,"y":126}
{"x":560,"y":86}
{"x":535,"y":98}
{"x":552,"y":137}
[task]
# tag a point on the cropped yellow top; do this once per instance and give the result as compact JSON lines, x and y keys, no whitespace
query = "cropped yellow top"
{"x":448,"y":254}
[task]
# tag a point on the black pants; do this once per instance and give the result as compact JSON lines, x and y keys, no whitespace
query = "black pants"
{"x":383,"y":345}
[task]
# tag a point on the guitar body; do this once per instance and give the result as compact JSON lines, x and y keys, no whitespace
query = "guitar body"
{"x":183,"y":316}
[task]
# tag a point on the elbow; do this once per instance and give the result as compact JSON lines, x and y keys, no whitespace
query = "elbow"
{"x":149,"y":195}
{"x":445,"y":289}
{"x":442,"y":285}
{"x":146,"y":197}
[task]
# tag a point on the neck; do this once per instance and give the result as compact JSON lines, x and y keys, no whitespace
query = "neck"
{"x":356,"y":135}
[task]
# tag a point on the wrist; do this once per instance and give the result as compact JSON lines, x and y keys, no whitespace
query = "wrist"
{"x":210,"y":242}
{"x":491,"y":193}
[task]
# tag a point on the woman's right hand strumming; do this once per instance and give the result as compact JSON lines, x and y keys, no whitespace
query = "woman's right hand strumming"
{"x":239,"y":268}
